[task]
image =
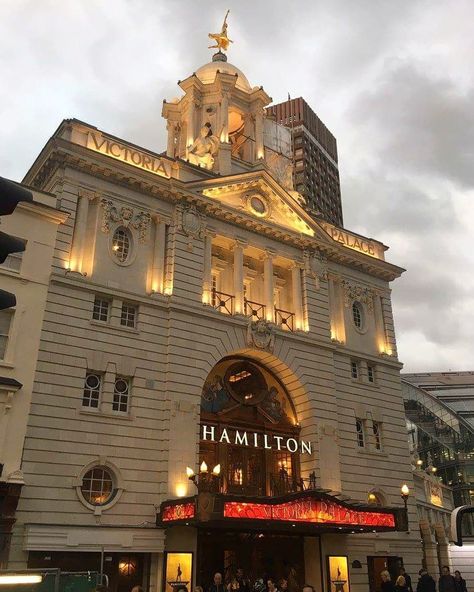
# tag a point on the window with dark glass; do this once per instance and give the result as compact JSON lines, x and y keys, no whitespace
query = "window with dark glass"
{"x":101,"y":309}
{"x":360,"y":433}
{"x":91,"y":392}
{"x":370,"y":373}
{"x":98,"y":486}
{"x":354,"y":369}
{"x":121,"y":394}
{"x":128,"y":317}
{"x":121,"y":244}
{"x":377,"y":435}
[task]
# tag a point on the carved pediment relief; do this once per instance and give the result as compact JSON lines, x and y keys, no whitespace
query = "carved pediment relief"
{"x":259,"y":198}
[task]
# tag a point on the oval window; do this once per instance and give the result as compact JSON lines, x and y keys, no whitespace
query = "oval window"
{"x":121,"y":244}
{"x":358,"y":315}
{"x":258,"y":205}
{"x":98,"y":486}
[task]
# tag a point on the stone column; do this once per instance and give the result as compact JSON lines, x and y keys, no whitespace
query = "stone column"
{"x":80,"y":229}
{"x":336,"y":304}
{"x":381,"y":342}
{"x":297,"y":296}
{"x":190,"y":122}
{"x":259,"y":150}
{"x":239,"y":276}
{"x":158,"y":270}
{"x":268,"y":295}
{"x":170,"y":146}
{"x":207,"y":271}
{"x":224,"y":118}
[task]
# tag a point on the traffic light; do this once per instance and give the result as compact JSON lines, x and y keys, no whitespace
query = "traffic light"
{"x":10,"y":194}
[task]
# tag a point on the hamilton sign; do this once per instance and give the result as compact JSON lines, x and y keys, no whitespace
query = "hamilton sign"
{"x":129,"y":154}
{"x":254,"y":439}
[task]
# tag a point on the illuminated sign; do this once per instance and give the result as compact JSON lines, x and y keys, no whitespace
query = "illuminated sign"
{"x":178,"y":512}
{"x":137,"y":158}
{"x":312,"y":511}
{"x":255,"y":440}
{"x":353,"y":241}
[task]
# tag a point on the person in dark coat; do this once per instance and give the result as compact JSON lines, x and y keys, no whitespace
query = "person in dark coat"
{"x":407,"y":579}
{"x":218,"y":585}
{"x":446,"y":582}
{"x":459,"y":582}
{"x":401,"y":584}
{"x":387,"y":584}
{"x":425,"y":582}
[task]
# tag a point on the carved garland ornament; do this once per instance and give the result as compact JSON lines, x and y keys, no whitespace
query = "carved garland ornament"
{"x":353,"y":292}
{"x":126,"y":217}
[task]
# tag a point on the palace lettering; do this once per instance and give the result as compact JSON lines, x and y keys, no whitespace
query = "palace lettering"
{"x":255,"y":439}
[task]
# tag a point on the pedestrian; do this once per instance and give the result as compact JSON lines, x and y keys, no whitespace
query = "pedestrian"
{"x":446,"y":582}
{"x":283,"y":585}
{"x":198,"y":589}
{"x":387,"y":584}
{"x":407,"y":579}
{"x":136,"y":588}
{"x":244,"y":584}
{"x":271,"y":585}
{"x":308,"y":588}
{"x":401,"y":584}
{"x":425,"y":582}
{"x":217,"y":586}
{"x":459,"y":582}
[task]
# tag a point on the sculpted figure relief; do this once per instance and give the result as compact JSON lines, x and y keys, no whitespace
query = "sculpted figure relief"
{"x":205,"y":147}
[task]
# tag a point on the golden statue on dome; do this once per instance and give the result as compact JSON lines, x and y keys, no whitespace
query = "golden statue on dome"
{"x":221,"y":39}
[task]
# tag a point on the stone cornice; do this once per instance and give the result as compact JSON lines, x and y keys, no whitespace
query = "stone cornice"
{"x":60,"y":153}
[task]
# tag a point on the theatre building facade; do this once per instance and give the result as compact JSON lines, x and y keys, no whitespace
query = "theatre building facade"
{"x":217,"y":382}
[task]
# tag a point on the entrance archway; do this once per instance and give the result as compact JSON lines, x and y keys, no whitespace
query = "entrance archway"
{"x":249,"y":427}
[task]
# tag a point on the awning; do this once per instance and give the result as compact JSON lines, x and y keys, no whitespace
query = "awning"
{"x":308,"y":512}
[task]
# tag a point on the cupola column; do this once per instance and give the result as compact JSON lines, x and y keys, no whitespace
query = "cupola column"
{"x":259,"y":150}
{"x":158,"y":270}
{"x":191,"y":110}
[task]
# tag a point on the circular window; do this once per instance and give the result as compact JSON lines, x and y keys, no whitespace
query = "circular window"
{"x":98,"y":486}
{"x":121,"y":244}
{"x":358,"y":315}
{"x":258,"y":205}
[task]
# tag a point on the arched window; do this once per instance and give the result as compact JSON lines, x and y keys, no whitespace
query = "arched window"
{"x":358,"y":315}
{"x":249,"y":427}
{"x":121,"y":244}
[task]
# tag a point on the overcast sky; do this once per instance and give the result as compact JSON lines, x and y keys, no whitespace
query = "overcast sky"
{"x":394,"y":82}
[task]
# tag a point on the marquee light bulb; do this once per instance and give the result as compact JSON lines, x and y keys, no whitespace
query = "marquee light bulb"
{"x":216,"y":471}
{"x":203,"y":467}
{"x":189,"y":472}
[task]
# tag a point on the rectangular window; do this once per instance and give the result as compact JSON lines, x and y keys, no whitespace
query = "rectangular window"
{"x":5,"y":322}
{"x":13,"y":261}
{"x":121,"y":394}
{"x":377,"y":435}
{"x":360,"y":433}
{"x":91,"y":393}
{"x":129,"y":315}
{"x":101,"y":309}
{"x":370,"y":373}
{"x":354,"y":369}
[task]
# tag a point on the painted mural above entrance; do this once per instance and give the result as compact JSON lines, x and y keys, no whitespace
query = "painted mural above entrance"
{"x":244,"y":390}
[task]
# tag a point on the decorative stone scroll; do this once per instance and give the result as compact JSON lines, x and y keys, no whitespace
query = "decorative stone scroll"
{"x":354,"y":292}
{"x":261,"y":334}
{"x":125,"y":216}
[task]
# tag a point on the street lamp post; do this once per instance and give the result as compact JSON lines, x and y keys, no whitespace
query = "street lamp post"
{"x":404,"y":493}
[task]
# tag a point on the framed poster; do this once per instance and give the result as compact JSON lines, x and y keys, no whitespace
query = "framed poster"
{"x":338,"y":573}
{"x":178,"y":571}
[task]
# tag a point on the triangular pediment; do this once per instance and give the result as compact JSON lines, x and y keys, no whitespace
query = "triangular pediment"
{"x":258,"y":195}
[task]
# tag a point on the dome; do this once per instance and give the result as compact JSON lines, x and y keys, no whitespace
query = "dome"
{"x":207,"y":74}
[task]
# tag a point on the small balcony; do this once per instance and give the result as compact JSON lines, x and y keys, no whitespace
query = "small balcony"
{"x":222,"y":302}
{"x":285,"y":319}
{"x":255,"y":310}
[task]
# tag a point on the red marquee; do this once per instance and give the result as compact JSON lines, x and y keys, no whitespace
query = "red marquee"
{"x":178,"y":512}
{"x":312,"y":511}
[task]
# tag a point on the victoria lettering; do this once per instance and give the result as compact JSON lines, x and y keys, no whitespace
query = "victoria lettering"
{"x":144,"y":161}
{"x":255,"y":440}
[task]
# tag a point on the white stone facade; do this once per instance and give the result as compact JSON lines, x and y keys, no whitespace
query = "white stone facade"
{"x":188,"y":229}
